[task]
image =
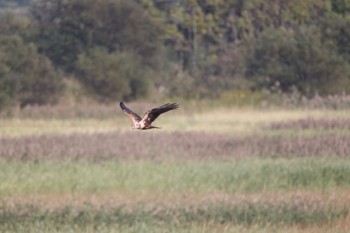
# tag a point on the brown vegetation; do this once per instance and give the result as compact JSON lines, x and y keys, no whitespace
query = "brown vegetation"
{"x":312,"y":123}
{"x":64,"y":111}
{"x":298,"y":208}
{"x":298,"y":199}
{"x":169,"y":145}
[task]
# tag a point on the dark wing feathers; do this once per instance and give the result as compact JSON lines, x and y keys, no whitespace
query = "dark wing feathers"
{"x":134,"y":117}
{"x":152,"y":114}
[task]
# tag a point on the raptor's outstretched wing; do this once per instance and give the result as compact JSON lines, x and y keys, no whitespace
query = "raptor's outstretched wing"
{"x":152,"y":114}
{"x":134,"y":117}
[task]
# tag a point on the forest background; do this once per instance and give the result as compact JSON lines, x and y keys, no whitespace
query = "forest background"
{"x":236,"y":51}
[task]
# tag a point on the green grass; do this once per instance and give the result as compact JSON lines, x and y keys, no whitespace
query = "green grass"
{"x":243,"y":213}
{"x":246,"y":175}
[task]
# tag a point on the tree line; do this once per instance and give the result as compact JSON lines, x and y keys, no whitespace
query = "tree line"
{"x":129,"y":49}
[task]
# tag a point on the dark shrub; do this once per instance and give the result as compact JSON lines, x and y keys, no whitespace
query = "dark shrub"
{"x":298,"y":59}
{"x":111,"y":76}
{"x":26,"y":76}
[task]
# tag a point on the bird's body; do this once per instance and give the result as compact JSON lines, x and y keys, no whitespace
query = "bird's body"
{"x":146,"y":121}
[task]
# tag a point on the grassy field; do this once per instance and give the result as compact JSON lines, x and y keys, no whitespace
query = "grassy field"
{"x":220,"y":170}
{"x":224,"y":121}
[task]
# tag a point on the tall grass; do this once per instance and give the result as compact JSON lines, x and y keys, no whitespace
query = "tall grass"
{"x":246,"y":175}
{"x":44,"y":227}
{"x":228,"y":121}
{"x":244,"y":213}
{"x":164,"y":146}
{"x":29,"y":127}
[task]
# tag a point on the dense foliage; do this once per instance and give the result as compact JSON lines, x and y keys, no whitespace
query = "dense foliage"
{"x":27,"y":77}
{"x":119,"y":49}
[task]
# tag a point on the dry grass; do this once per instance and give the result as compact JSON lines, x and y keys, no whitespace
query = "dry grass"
{"x":158,"y":145}
{"x":118,"y":145}
{"x":31,"y":127}
{"x":83,"y":110}
{"x":295,"y":209}
{"x":312,"y":123}
{"x":299,"y":199}
{"x":227,"y":121}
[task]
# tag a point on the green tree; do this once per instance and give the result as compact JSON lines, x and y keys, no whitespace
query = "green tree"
{"x":207,"y":37}
{"x":341,"y":6}
{"x":298,"y":59}
{"x":337,"y":29}
{"x":7,"y":84}
{"x":11,"y":24}
{"x":116,"y":75}
{"x":26,"y":76}
{"x":69,"y":28}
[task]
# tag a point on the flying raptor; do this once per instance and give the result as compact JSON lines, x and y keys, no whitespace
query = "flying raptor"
{"x":146,"y":121}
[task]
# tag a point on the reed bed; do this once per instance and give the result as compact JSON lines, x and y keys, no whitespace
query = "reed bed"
{"x":311,"y":123}
{"x":90,"y":109}
{"x":288,"y":210}
{"x":170,"y":145}
{"x":238,"y":122}
{"x":226,"y":216}
{"x":83,"y":110}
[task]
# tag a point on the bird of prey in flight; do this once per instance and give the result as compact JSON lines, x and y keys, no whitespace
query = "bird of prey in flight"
{"x":146,"y":121}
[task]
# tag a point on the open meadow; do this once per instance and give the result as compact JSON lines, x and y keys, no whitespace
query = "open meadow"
{"x":218,"y":170}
